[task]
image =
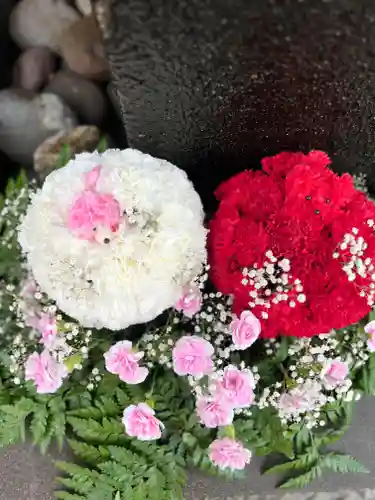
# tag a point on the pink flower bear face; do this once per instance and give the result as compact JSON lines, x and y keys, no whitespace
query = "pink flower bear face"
{"x":94,"y":216}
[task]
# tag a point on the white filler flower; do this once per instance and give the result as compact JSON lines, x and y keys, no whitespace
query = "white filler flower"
{"x":113,"y":237}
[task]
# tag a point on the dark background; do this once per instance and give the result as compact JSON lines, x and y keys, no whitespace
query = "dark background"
{"x":214,"y":85}
{"x":8,"y":54}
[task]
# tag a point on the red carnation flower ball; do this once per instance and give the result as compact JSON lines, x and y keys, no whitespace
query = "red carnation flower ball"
{"x":295,"y":244}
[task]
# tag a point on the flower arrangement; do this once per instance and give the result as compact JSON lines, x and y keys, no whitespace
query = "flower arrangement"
{"x":303,"y":238}
{"x":119,"y":332}
{"x":109,"y":228}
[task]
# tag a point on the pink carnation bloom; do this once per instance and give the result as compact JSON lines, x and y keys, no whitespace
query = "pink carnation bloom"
{"x":31,"y":315}
{"x":292,"y":403}
{"x":29,"y":288}
{"x":92,"y":209}
{"x":29,"y":306}
{"x":236,"y":386}
{"x":140,"y":422}
{"x":334,"y":373}
{"x":226,"y":453}
{"x":245,"y":330}
{"x":192,"y":356}
{"x":190,"y":302}
{"x":47,"y":374}
{"x":370,"y":330}
{"x":47,"y":326}
{"x":302,"y":398}
{"x":124,"y":362}
{"x":214,"y":411}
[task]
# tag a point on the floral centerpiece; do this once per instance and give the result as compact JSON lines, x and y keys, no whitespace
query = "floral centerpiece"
{"x":121,"y":332}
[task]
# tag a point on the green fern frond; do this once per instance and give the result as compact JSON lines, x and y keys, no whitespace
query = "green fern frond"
{"x":89,"y":453}
{"x":342,"y":463}
{"x":119,"y":466}
{"x":13,"y":421}
{"x":303,"y":479}
{"x":64,"y":495}
{"x":302,"y":462}
{"x":39,"y":423}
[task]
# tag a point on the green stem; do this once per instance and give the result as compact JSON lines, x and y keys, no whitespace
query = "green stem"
{"x":230,"y":431}
{"x":150,"y":392}
{"x":286,"y":376}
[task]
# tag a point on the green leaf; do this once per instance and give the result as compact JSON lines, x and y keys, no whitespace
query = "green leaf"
{"x":10,"y":188}
{"x":73,"y":360}
{"x":366,"y":381}
{"x":110,"y":431}
{"x":12,"y":421}
{"x":192,"y":421}
{"x":342,"y":463}
{"x":117,"y":472}
{"x":86,"y":412}
{"x":79,"y":484}
{"x":303,"y":479}
{"x":189,"y":439}
{"x":243,"y":426}
{"x":122,"y":397}
{"x":89,"y":453}
{"x":125,"y":456}
{"x":103,"y":492}
{"x":58,"y":427}
{"x":15,"y":185}
{"x":303,"y":462}
{"x":39,"y":423}
{"x":331,"y":437}
{"x":5,"y":397}
{"x":22,"y":408}
{"x":77,"y":397}
{"x":108,"y":384}
{"x":9,"y":432}
{"x":155,"y":483}
{"x":21,"y":180}
{"x":302,"y":439}
{"x":371,"y":316}
{"x":284,"y":446}
{"x":70,"y":468}
{"x":64,"y":495}
{"x":197,"y":456}
{"x":263,"y":451}
{"x":114,"y":427}
{"x":102,"y":145}
{"x":64,"y":156}
{"x":282,"y":352}
{"x":107,"y":406}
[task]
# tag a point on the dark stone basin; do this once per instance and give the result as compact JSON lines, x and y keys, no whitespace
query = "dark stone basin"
{"x":214,"y":85}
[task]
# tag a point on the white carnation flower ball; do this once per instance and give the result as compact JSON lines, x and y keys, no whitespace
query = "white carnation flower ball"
{"x":113,"y":237}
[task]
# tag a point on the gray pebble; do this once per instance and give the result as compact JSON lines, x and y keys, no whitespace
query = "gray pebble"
{"x":36,"y":23}
{"x":26,"y":120}
{"x":84,"y":6}
{"x":78,"y":140}
{"x":81,"y":46}
{"x":82,"y":95}
{"x":33,"y":67}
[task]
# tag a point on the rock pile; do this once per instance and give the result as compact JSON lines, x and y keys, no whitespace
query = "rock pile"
{"x":59,"y":81}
